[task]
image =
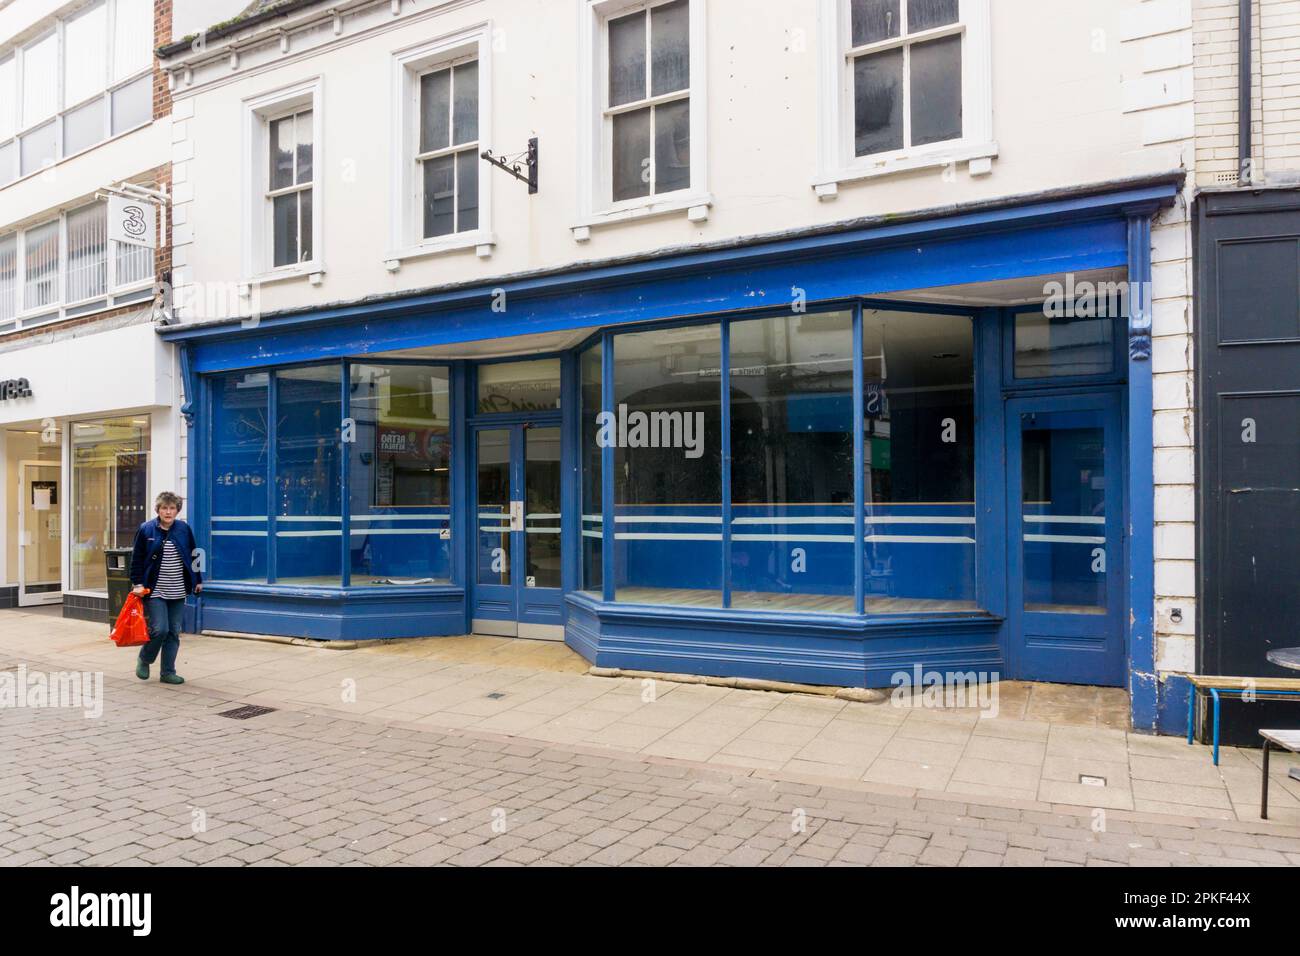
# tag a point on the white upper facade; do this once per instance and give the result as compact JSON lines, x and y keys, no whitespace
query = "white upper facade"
{"x":77,"y":107}
{"x":333,"y":153}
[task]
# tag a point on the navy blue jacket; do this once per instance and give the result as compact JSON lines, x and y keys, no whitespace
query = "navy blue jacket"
{"x":146,"y":554}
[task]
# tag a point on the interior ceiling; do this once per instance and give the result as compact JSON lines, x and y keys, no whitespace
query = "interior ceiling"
{"x":521,"y":345}
{"x":1005,"y":292}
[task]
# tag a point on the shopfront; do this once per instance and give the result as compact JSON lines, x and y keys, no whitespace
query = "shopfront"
{"x":88,"y":437}
{"x":822,"y":459}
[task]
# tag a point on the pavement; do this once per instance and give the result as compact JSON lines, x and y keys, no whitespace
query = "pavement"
{"x":404,"y":753}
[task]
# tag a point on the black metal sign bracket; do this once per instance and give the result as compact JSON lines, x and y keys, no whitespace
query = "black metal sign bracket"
{"x":523,"y":166}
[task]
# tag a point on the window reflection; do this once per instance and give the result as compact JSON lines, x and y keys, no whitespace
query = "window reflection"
{"x":110,"y":488}
{"x":241,"y":435}
{"x":399,"y":482}
{"x":792,"y":463}
{"x":309,"y":513}
{"x":667,"y":427}
{"x":919,"y":467}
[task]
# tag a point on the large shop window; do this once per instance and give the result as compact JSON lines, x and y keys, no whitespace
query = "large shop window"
{"x":783,"y":533}
{"x":282,"y":442}
{"x":667,"y":433}
{"x":593,"y":510}
{"x":110,"y":492}
{"x":792,"y":463}
{"x":400,"y":476}
{"x":240,"y":455}
{"x":919,"y":461}
{"x":309,"y":499}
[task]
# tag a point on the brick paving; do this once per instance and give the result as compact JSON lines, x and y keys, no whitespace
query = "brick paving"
{"x":1043,"y":741}
{"x":162,"y":779}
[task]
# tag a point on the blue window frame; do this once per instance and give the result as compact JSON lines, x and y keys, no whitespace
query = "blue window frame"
{"x":241,"y":487}
{"x":399,"y":475}
{"x":1079,"y":340}
{"x":747,"y":496}
{"x":334,"y":475}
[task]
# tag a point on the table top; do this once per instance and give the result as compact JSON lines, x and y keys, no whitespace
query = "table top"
{"x":1285,"y":657}
{"x":1290,"y":739}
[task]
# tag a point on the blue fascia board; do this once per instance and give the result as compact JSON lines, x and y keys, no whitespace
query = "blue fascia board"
{"x":747,"y":259}
{"x":738,"y":286}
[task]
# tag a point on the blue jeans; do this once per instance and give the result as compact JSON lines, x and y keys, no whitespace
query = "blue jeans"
{"x":164,"y":619}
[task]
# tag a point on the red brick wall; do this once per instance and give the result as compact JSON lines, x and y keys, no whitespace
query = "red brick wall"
{"x":162,"y":35}
{"x":72,"y":323}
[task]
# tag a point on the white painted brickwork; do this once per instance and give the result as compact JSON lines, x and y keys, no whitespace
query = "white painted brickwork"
{"x":1161,"y":32}
{"x":1275,"y":89}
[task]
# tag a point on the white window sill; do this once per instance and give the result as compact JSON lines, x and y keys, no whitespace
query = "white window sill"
{"x":481,"y":241}
{"x":110,"y":299}
{"x":49,"y":313}
{"x":315,"y":271}
{"x":695,"y":205}
{"x":71,"y":156}
{"x":38,"y":317}
{"x":978,"y":155}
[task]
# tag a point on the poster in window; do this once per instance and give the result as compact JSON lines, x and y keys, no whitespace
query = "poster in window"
{"x":45,"y":495}
{"x":384,"y":483}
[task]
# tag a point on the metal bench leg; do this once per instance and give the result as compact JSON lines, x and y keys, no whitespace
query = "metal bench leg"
{"x":1214,"y":693}
{"x":1191,"y":713}
{"x":1263,"y":796}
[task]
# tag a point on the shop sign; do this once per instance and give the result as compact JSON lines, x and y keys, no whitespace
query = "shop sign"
{"x":419,"y":443}
{"x":45,"y":495}
{"x":15,"y":388}
{"x":132,"y":221}
{"x":875,"y":403}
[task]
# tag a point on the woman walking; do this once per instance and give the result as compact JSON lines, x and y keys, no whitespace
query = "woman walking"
{"x":160,"y":567}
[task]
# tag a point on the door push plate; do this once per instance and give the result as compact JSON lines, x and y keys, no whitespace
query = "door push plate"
{"x":516,"y":516}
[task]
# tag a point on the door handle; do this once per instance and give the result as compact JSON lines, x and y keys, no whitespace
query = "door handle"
{"x":516,"y":516}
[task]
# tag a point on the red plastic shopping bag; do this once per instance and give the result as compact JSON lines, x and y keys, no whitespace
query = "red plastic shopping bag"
{"x":131,"y":629}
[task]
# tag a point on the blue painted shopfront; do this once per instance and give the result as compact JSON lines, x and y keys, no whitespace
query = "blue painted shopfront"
{"x":879,"y":479}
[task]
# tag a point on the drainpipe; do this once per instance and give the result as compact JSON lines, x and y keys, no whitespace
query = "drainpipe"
{"x":1244,"y":106}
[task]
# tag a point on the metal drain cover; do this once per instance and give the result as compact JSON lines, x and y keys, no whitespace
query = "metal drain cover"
{"x":247,"y":711}
{"x":1089,"y":780}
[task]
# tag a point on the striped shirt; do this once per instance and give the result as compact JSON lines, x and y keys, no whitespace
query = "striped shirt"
{"x":171,"y":574}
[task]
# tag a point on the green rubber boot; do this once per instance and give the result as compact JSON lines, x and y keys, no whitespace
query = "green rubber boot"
{"x":172,"y":679}
{"x":141,"y":669}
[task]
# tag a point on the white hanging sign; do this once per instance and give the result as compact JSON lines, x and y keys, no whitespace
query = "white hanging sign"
{"x":132,"y":221}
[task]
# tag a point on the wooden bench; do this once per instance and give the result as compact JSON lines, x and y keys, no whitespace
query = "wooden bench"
{"x":1286,"y":740}
{"x":1259,"y":688}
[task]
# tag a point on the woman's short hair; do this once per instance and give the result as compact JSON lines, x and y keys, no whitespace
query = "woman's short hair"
{"x":168,"y":498}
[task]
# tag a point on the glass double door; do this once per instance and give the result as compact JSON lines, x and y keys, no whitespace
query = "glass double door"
{"x":517,"y":559}
{"x":40,"y":535}
{"x":1065,"y":539}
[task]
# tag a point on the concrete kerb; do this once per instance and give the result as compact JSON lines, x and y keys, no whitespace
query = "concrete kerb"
{"x":856,"y":694}
{"x":298,"y":641}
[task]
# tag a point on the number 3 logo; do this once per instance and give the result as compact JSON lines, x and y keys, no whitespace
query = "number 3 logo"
{"x":134,"y":224}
